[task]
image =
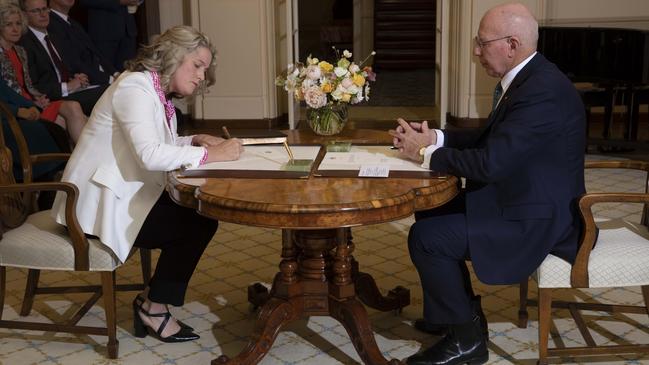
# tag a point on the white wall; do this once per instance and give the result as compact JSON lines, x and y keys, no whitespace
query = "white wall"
{"x":243,"y":32}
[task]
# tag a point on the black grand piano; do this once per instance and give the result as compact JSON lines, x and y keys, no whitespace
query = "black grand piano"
{"x":614,"y":60}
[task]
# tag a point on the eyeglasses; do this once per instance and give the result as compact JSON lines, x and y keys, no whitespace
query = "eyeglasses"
{"x":39,"y":11}
{"x":478,"y":43}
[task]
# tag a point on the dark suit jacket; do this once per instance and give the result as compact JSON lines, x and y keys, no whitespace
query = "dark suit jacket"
{"x":41,"y":69}
{"x":76,"y":48}
{"x":44,"y":77}
{"x":524,"y":171}
{"x":108,"y":20}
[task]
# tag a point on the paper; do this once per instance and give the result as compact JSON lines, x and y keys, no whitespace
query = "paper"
{"x":374,"y":171}
{"x":263,"y":157}
{"x":360,"y":156}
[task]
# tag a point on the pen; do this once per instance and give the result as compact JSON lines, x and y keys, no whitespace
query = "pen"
{"x":226,"y":133}
{"x":288,"y":150}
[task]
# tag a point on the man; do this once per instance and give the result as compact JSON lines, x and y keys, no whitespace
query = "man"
{"x":113,"y":29}
{"x":524,"y":173}
{"x":76,"y":44}
{"x":47,"y":69}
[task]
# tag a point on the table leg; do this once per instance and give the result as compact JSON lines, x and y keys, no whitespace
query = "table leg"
{"x":367,"y":290}
{"x":312,"y":281}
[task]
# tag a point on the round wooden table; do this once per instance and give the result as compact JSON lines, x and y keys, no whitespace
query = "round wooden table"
{"x":318,"y":274}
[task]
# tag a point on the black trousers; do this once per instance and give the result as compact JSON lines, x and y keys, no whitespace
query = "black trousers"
{"x":182,"y":235}
{"x":439,"y":249}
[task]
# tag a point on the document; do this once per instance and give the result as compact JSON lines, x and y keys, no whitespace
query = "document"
{"x":360,"y":156}
{"x":263,"y":158}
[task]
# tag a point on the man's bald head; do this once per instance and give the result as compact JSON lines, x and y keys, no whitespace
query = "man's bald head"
{"x":516,"y":20}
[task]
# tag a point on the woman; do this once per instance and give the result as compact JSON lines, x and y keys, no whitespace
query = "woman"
{"x":41,"y":136}
{"x":13,"y":66}
{"x":132,"y":138}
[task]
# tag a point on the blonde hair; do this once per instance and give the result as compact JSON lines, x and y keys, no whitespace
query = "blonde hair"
{"x":9,"y":8}
{"x":167,"y":52}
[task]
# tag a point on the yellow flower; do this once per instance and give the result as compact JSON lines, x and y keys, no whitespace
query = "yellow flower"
{"x":326,"y":66}
{"x":346,"y":97}
{"x":299,"y":95}
{"x":359,"y":80}
{"x":327,"y":88}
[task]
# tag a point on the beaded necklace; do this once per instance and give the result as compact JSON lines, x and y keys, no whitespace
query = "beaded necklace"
{"x":170,"y":110}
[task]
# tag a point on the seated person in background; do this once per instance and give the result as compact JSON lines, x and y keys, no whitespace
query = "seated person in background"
{"x":112,"y":28}
{"x":132,"y":137}
{"x":524,"y":174}
{"x":13,"y":67}
{"x":41,"y":136}
{"x":76,"y":44}
{"x":47,"y":69}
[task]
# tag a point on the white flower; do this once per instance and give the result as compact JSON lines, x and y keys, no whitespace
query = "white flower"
{"x":347,"y":54}
{"x":347,"y":82}
{"x":314,"y":97}
{"x":313,"y":72}
{"x":340,"y":72}
{"x":354,"y":68}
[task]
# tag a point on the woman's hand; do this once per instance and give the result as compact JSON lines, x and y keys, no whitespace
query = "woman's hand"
{"x":31,"y":113}
{"x":206,"y":140}
{"x":42,"y":101}
{"x":227,"y":150}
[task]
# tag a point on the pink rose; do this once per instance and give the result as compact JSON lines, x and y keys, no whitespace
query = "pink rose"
{"x":314,"y":97}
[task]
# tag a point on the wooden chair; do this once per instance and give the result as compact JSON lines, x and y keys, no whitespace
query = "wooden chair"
{"x":27,"y":161}
{"x":36,"y":241}
{"x":620,"y":258}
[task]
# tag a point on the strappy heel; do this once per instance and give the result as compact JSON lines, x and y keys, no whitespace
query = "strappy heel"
{"x":140,"y":300}
{"x":141,"y":330}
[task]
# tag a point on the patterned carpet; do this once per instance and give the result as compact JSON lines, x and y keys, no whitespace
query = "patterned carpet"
{"x":217,"y":306}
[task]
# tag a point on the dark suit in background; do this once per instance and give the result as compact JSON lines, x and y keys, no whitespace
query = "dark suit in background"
{"x":524,"y":173}
{"x":76,"y":47}
{"x":112,"y":29}
{"x":44,"y":77}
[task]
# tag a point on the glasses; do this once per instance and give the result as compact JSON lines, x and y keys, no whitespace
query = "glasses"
{"x":478,"y":43}
{"x":39,"y":11}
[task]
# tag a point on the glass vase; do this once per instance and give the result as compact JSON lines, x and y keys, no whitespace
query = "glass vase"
{"x":328,"y":120}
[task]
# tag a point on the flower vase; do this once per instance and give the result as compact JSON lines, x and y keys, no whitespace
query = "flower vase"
{"x":327,"y":120}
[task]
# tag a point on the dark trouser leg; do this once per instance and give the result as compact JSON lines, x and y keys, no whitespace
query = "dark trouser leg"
{"x":182,"y":235}
{"x":438,"y":248}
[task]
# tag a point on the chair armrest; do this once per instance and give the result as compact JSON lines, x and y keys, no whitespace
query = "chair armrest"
{"x":79,"y":240}
{"x":47,"y":157}
{"x":579,"y":271}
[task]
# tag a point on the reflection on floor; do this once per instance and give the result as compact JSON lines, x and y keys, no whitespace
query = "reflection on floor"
{"x":216,"y":305}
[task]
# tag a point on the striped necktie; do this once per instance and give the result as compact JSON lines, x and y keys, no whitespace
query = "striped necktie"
{"x":498,"y":92}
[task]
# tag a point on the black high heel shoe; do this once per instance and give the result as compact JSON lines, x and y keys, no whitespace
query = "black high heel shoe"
{"x":140,"y":300}
{"x":141,"y":330}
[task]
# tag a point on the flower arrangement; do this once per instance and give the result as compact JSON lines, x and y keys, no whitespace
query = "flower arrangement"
{"x":320,"y":83}
{"x":327,"y":89}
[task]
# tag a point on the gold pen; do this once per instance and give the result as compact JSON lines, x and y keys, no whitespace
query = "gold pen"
{"x":226,"y":133}
{"x":288,"y":150}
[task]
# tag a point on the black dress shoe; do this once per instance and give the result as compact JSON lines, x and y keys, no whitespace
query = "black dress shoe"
{"x":463,"y":344}
{"x":141,"y":330}
{"x":430,"y":328}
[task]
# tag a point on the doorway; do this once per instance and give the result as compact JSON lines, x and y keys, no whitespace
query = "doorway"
{"x":402,"y":32}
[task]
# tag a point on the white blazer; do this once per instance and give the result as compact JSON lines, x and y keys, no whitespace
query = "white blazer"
{"x":120,"y":160}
